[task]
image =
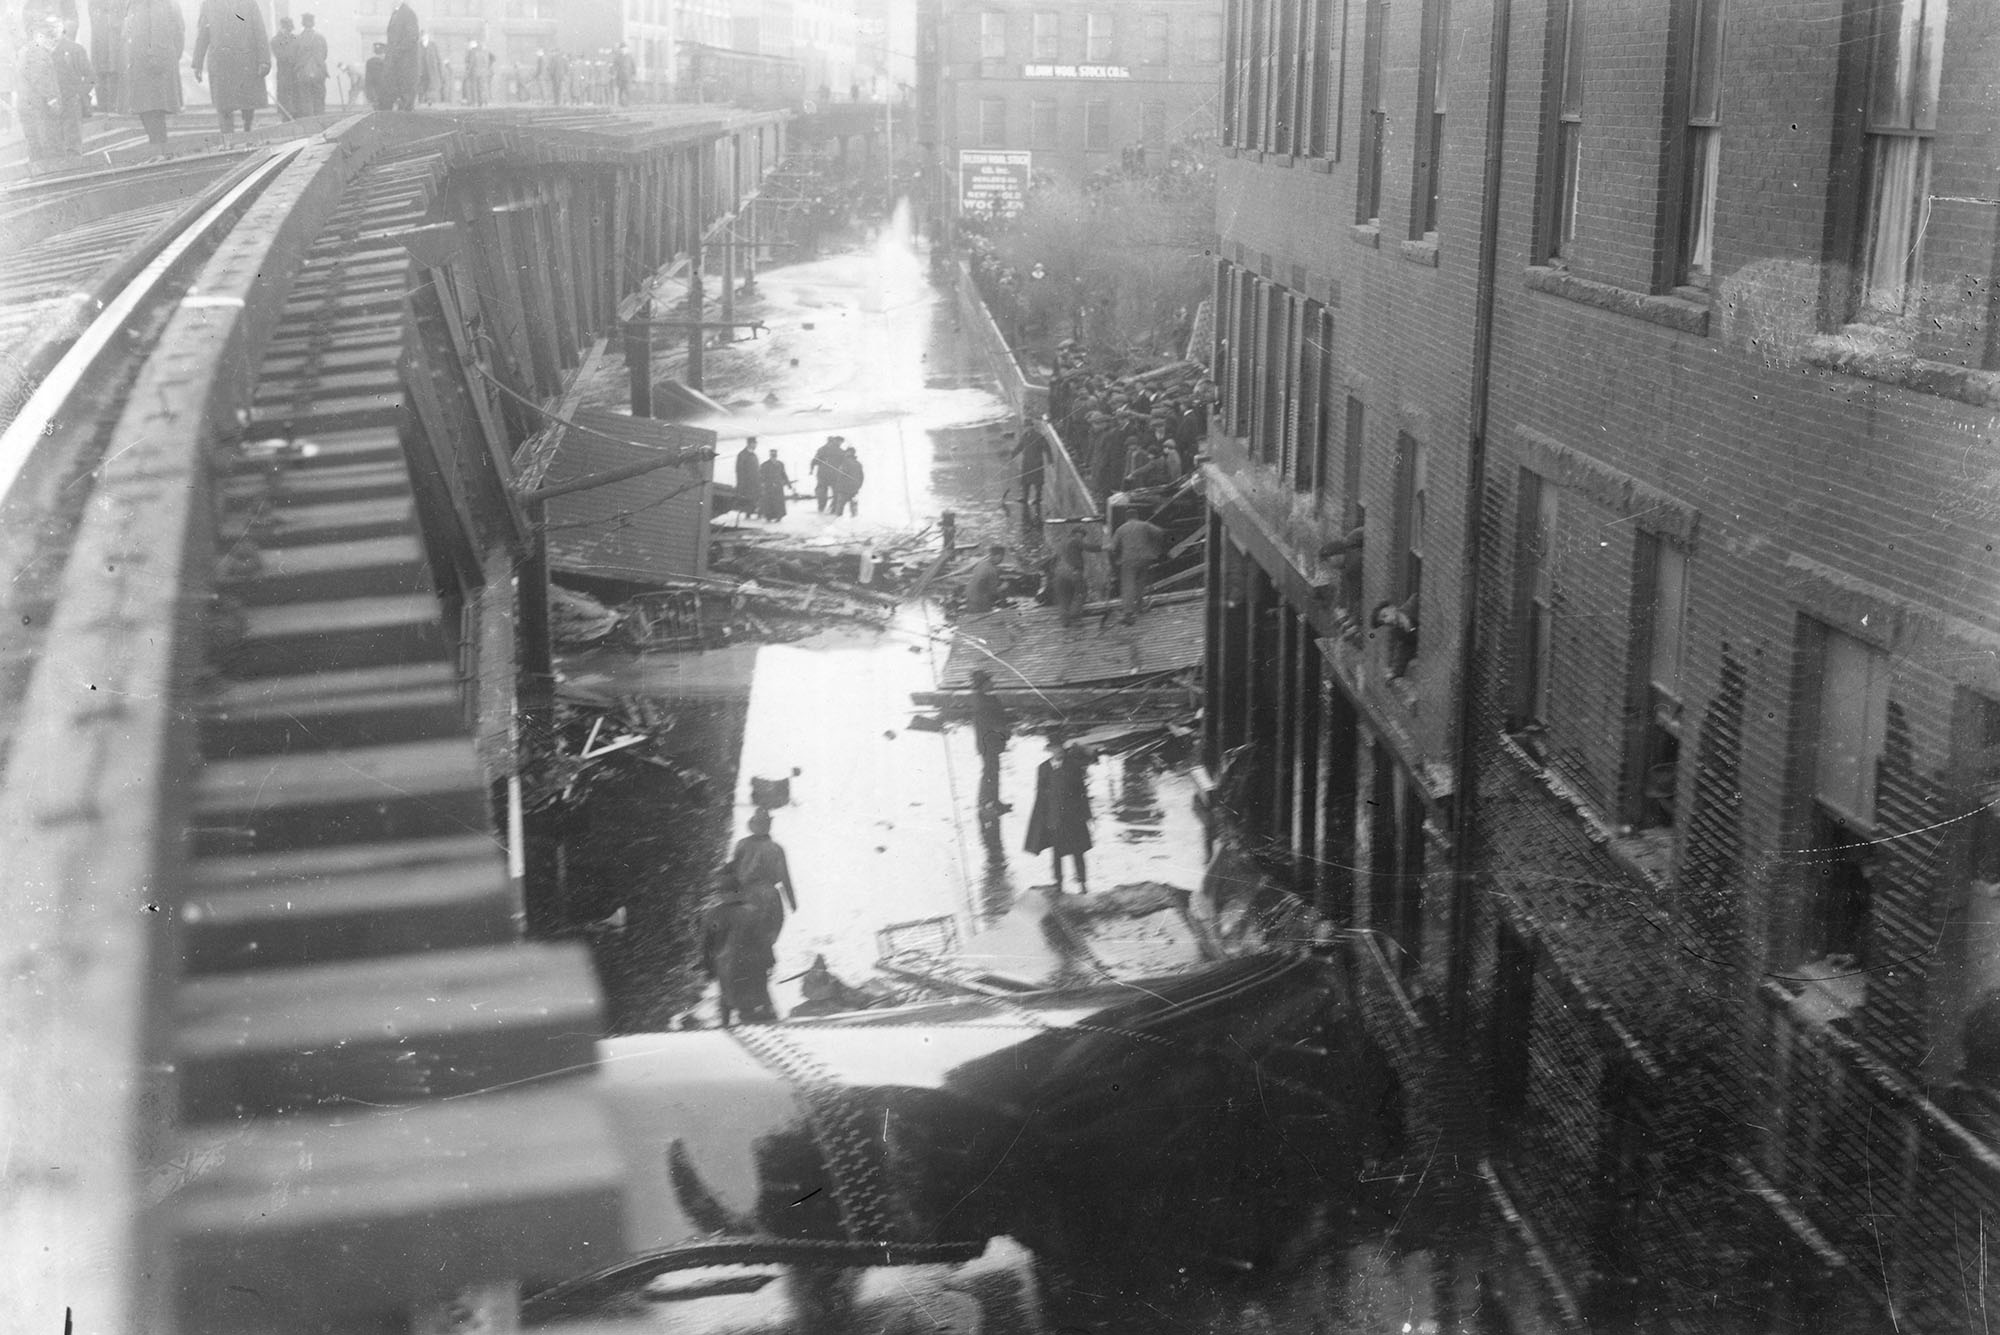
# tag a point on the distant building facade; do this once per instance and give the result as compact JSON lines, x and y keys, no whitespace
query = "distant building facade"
{"x":1079,"y":87}
{"x":1605,"y":619}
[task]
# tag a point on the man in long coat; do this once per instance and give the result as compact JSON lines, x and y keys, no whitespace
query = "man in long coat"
{"x":826,"y":461}
{"x":309,"y":68}
{"x":773,"y":484}
{"x":403,"y":63}
{"x":435,"y":84}
{"x":739,"y":934}
{"x":231,"y":43}
{"x":38,"y":100}
{"x":1060,"y":821}
{"x":760,"y":864}
{"x":106,"y":18}
{"x":746,"y":479}
{"x":285,"y":68}
{"x":149,"y":79}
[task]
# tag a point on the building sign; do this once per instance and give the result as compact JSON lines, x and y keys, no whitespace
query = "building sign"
{"x":1075,"y":72}
{"x":992,"y":180}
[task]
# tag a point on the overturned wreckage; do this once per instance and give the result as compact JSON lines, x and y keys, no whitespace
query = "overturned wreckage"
{"x":1203,"y":1120}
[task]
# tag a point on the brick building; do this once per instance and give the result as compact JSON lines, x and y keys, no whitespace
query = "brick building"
{"x":1603,"y":573}
{"x":1077,"y":86}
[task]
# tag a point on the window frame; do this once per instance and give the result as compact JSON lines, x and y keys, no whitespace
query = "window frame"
{"x":1838,"y":828}
{"x":1038,"y":109}
{"x":990,"y":137}
{"x":1374,"y":116}
{"x":1539,"y":502}
{"x":992,"y":35}
{"x":1654,"y":737}
{"x":1562,"y":144}
{"x":1427,"y":161}
{"x":1156,"y":40}
{"x":1100,"y":37}
{"x":1898,"y":120}
{"x":1096,"y":119}
{"x":1045,"y":35}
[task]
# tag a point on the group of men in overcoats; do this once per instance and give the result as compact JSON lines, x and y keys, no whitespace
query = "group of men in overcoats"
{"x":764,"y":487}
{"x":133,"y":67}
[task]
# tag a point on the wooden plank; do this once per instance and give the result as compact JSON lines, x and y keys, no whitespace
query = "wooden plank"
{"x":306,"y":800}
{"x":324,"y":571}
{"x":370,"y":1033}
{"x":324,"y":710}
{"x":349,"y":633}
{"x":324,"y":905}
{"x":306,"y":1222}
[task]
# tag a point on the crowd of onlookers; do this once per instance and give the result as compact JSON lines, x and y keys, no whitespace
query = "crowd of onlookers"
{"x":1126,"y":432}
{"x":134,"y":61}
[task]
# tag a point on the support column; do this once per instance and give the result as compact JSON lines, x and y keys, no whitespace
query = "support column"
{"x":729,"y":286}
{"x":639,"y":358}
{"x":695,"y":299}
{"x":750,"y":250}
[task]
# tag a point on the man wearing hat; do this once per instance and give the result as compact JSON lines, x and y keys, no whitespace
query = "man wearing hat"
{"x":739,"y":935}
{"x":992,"y":725}
{"x":825,"y":463}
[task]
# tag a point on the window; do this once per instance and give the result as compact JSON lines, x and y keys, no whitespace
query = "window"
{"x":1097,"y":37}
{"x":1850,"y":720}
{"x":1396,"y":860}
{"x":1308,"y":469}
{"x":1266,"y":431}
{"x":1374,"y":120}
{"x":1536,"y":596}
{"x":993,"y":122}
{"x":1402,"y":616}
{"x":1356,"y":513}
{"x":1042,"y":123}
{"x":1234,"y":75}
{"x":1902,"y":117}
{"x":1208,"y":38}
{"x":1328,"y":84}
{"x":1157,"y":35}
{"x":1564,"y":146}
{"x":1704,"y":142}
{"x":1048,"y":35}
{"x":1662,"y":618}
{"x":1153,"y":124}
{"x":1097,"y":125}
{"x":1431,"y":75}
{"x":992,"y":35}
{"x":1285,"y":75}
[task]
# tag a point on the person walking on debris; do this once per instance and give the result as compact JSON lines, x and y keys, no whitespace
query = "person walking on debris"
{"x":759,"y":861}
{"x":825,"y":463}
{"x":1069,"y":579}
{"x":848,"y":478}
{"x":231,"y":43}
{"x":1033,"y":452}
{"x":982,"y":583}
{"x":1060,"y":820}
{"x":1136,"y":545}
{"x":773,"y":483}
{"x":738,"y":938}
{"x":992,"y":725}
{"x":746,"y":479}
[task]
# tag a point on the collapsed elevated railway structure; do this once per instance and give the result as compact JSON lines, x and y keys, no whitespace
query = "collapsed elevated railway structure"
{"x":274,"y":636}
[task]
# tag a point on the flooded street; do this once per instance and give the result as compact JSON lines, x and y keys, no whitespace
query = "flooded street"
{"x":887,"y":840}
{"x":883,"y":826}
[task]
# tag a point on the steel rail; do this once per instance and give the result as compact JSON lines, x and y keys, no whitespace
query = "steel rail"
{"x":41,"y":417}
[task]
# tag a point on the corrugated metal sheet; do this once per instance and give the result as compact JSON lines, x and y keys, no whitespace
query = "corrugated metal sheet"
{"x":651,"y":527}
{"x":1032,"y":646}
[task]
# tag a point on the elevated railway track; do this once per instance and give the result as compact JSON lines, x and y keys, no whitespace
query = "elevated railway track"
{"x":284,"y":1058}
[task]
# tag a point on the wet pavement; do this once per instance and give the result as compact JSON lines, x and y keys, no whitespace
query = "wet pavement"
{"x":883,"y":826}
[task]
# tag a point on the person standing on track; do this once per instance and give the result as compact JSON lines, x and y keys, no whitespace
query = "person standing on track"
{"x":403,"y":63}
{"x":849,"y":480}
{"x":747,"y":485}
{"x":230,"y":42}
{"x":38,"y":100}
{"x":309,"y":68}
{"x":149,"y":77}
{"x":285,"y":67}
{"x":826,"y":461}
{"x":773,"y":486}
{"x":992,"y":725}
{"x":1060,"y":820}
